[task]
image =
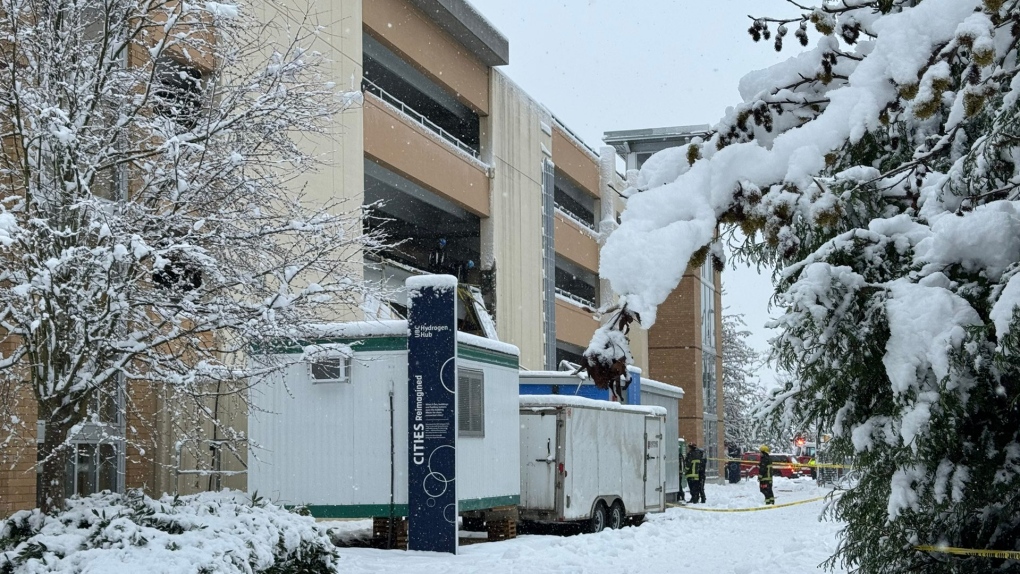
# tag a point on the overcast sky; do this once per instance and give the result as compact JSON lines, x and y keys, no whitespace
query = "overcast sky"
{"x":604,"y":65}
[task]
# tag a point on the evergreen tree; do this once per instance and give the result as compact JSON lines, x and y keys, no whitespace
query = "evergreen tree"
{"x":878,"y":174}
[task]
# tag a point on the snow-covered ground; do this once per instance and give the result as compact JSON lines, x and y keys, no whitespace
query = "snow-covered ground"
{"x":784,"y":539}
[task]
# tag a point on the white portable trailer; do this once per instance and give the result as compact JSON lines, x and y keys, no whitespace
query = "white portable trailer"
{"x":593,"y":462}
{"x":339,"y":446}
{"x":642,"y":390}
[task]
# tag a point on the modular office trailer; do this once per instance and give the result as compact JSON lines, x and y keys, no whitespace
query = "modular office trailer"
{"x":642,"y":391}
{"x":335,"y":440}
{"x":592,"y":462}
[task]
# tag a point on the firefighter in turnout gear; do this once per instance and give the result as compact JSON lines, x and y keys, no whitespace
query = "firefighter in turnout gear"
{"x":696,"y":473}
{"x":765,"y":475}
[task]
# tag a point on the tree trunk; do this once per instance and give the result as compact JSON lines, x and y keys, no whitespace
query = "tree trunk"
{"x":56,"y":454}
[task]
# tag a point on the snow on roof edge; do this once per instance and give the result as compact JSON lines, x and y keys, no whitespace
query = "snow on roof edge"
{"x":488,"y":344}
{"x":440,"y":281}
{"x":398,"y":328}
{"x":538,"y":401}
{"x":352,"y":329}
{"x":662,"y":388}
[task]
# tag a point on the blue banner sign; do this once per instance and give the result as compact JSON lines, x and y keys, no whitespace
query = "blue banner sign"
{"x":431,"y":406}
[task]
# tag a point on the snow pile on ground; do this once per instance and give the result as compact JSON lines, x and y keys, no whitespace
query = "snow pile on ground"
{"x":219,"y":532}
{"x":684,"y":539}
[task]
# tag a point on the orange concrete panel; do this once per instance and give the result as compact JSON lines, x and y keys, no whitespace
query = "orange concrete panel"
{"x":576,"y":244}
{"x":573,"y":325}
{"x":409,"y":33}
{"x":412,"y":151}
{"x":576,"y":163}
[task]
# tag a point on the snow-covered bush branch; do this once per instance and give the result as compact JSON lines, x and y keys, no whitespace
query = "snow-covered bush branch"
{"x":209,"y":532}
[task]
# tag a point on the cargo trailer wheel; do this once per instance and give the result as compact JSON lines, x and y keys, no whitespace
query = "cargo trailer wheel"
{"x":599,"y":516}
{"x":617,"y":516}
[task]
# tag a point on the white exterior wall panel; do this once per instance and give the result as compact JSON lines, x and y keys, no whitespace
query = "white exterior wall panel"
{"x":514,"y":230}
{"x":328,"y":444}
{"x":487,"y":466}
{"x":320,"y":443}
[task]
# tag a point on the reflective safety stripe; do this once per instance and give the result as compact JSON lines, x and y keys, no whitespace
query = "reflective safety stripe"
{"x":693,"y":473}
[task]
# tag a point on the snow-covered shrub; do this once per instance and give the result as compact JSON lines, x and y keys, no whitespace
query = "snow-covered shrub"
{"x":213,"y":532}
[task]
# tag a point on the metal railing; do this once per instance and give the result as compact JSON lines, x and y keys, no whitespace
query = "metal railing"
{"x":368,"y":86}
{"x":575,"y":298}
{"x":575,"y":218}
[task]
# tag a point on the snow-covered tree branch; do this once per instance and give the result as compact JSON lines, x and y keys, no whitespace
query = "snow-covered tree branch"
{"x":742,"y":391}
{"x":877,"y":174}
{"x":153,"y":228}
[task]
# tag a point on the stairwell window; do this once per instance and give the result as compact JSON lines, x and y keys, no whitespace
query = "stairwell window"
{"x":178,"y":92}
{"x":471,"y":403}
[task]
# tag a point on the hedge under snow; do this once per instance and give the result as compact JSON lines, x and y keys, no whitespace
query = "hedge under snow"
{"x":213,"y":532}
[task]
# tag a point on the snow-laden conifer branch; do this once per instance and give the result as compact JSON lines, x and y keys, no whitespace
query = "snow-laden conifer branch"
{"x":877,"y":174}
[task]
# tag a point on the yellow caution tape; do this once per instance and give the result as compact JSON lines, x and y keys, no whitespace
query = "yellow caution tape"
{"x":769,"y":507}
{"x":1004,"y":554}
{"x":794,"y":464}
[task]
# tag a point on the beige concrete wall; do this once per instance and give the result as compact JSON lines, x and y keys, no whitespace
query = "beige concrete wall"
{"x":515,"y":151}
{"x":409,"y":33}
{"x":339,"y":178}
{"x":342,"y":151}
{"x":414,"y":152}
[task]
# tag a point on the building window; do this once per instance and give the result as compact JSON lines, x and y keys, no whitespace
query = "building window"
{"x":711,"y":428}
{"x":178,"y":92}
{"x":471,"y":403}
{"x":549,"y":271}
{"x":92,"y":469}
{"x":708,"y":382}
{"x":708,"y":310}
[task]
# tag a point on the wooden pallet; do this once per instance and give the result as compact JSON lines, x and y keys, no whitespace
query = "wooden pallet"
{"x":381,"y":532}
{"x":501,"y":529}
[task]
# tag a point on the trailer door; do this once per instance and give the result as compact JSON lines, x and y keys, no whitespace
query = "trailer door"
{"x":538,"y":460}
{"x":653,"y":462}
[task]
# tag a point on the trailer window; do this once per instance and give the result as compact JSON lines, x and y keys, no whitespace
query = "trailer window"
{"x":471,"y":403}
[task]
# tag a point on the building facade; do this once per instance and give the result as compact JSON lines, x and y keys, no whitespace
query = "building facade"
{"x":467,"y":175}
{"x":685,"y":344}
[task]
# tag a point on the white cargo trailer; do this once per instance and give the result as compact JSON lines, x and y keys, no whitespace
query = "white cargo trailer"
{"x":597,"y":463}
{"x":335,"y":439}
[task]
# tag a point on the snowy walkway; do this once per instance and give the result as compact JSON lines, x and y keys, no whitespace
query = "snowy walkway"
{"x":681,"y":540}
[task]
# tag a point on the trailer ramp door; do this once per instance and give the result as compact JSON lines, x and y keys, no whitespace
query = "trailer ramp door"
{"x":653,"y":462}
{"x":538,"y":460}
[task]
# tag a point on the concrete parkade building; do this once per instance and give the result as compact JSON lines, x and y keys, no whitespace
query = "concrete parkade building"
{"x":443,"y":147}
